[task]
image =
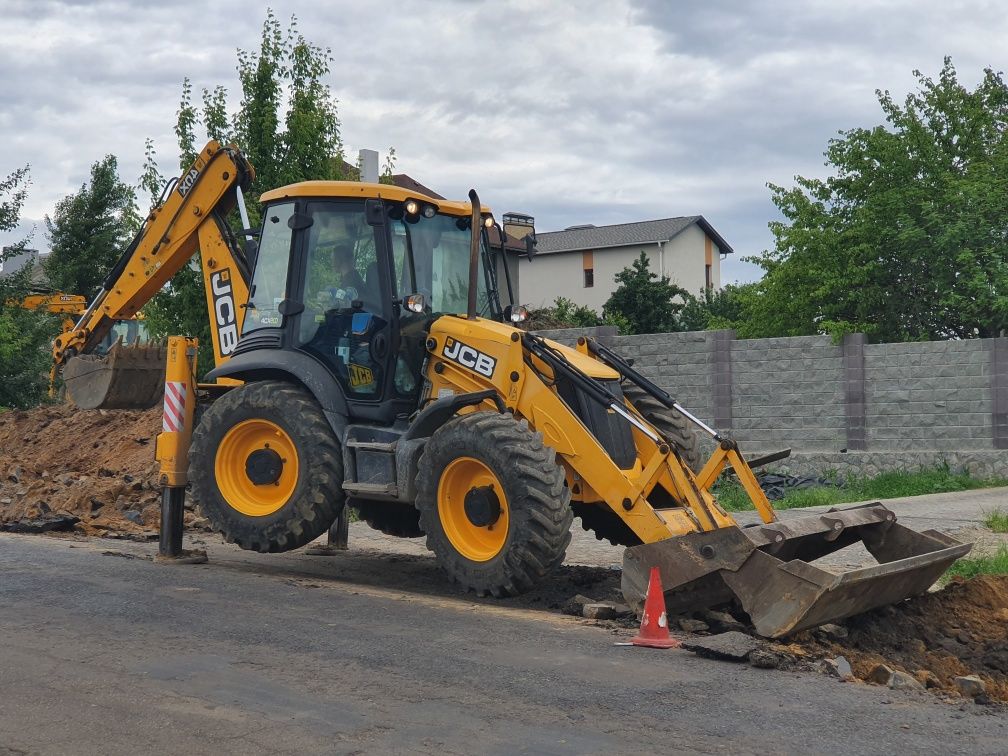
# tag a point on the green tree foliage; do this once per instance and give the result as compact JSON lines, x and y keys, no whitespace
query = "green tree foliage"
{"x":90,"y":229}
{"x":13,"y":190}
{"x":151,"y":181}
{"x":287,"y":121}
{"x":565,"y":313}
{"x":25,"y":335}
{"x":647,"y":303}
{"x":716,"y":308}
{"x":579,"y":316}
{"x":288,"y":126}
{"x":909,"y":238}
{"x":181,"y":309}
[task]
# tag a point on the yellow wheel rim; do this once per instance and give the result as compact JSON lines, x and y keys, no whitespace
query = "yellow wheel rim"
{"x":470,"y":477}
{"x":240,"y":491}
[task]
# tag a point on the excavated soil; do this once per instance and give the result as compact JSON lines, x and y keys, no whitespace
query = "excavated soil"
{"x":96,"y":465}
{"x":960,"y":630}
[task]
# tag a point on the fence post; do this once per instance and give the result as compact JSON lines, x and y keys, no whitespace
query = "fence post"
{"x":855,"y":409}
{"x":721,"y":378}
{"x":999,"y":391}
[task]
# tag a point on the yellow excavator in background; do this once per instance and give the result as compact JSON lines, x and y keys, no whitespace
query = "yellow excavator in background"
{"x":363,"y":355}
{"x":55,"y":302}
{"x":129,"y":331}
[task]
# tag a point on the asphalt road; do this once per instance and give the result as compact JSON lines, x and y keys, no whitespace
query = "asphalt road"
{"x":106,"y":654}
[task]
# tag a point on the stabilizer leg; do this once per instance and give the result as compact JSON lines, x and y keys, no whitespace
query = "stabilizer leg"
{"x":338,"y":537}
{"x":172,"y":449}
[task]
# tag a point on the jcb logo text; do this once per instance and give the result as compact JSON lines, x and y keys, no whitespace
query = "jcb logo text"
{"x":224,"y":311}
{"x":468,"y":357}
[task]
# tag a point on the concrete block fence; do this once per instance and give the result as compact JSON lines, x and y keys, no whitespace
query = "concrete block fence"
{"x":853,"y":406}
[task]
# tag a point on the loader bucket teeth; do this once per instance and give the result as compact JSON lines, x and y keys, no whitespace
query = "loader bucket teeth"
{"x":125,"y":378}
{"x":769,"y":569}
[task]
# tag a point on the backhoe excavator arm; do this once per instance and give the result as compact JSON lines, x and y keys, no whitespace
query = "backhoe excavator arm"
{"x":189,"y":218}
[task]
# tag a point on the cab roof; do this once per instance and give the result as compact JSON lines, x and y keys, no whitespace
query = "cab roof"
{"x":355,"y":189}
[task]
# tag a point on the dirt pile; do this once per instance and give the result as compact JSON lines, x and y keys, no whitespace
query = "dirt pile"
{"x":97,"y":465}
{"x":958,"y":631}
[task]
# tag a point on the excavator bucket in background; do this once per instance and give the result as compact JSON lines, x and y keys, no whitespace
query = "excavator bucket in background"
{"x":127,"y":377}
{"x":770,"y":570}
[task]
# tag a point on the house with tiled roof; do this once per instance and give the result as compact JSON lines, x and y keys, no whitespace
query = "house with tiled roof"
{"x":581,"y":262}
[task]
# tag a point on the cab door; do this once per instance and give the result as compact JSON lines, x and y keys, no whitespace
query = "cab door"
{"x":345,"y":292}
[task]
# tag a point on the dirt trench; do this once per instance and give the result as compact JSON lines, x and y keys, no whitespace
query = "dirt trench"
{"x":96,"y":465}
{"x":957,"y":631}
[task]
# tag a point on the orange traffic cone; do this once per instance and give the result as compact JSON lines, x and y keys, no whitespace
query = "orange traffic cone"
{"x":654,"y":624}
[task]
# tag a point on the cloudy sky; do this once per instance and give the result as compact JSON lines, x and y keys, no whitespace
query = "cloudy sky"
{"x":576,"y":112}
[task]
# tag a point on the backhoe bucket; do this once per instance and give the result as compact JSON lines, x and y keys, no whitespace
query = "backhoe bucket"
{"x":770,"y":570}
{"x":125,"y":378}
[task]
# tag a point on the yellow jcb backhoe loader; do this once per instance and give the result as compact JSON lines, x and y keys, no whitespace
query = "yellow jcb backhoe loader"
{"x":130,"y":330}
{"x":367,"y":356}
{"x":55,"y":302}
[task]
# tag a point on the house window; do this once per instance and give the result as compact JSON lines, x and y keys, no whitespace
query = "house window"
{"x":707,"y":277}
{"x":589,"y":278}
{"x":588,"y":266}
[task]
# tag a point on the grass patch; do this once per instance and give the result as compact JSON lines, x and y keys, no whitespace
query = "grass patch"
{"x":997,"y":520}
{"x":992,"y":563}
{"x":889,"y":485}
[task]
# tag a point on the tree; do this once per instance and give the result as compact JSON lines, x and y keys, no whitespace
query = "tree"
{"x":25,"y":335}
{"x":287,"y":124}
{"x":287,"y":121}
{"x":90,"y":229}
{"x":151,"y":182}
{"x":909,"y":238}
{"x":388,"y":167}
{"x":646,"y":302}
{"x":13,"y":190}
{"x":716,"y":308}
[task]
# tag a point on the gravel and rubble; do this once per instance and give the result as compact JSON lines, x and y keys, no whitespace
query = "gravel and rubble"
{"x":952,"y":642}
{"x":58,"y":463}
{"x":941,"y":641}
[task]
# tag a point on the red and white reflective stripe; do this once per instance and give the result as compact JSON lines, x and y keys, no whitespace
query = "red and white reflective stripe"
{"x":173,"y":419}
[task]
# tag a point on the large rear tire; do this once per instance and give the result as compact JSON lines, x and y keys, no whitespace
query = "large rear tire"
{"x":265,"y":467}
{"x":676,"y":429}
{"x":493,"y":503}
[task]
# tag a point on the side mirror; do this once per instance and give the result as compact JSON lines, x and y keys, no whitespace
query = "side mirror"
{"x":530,"y":246}
{"x":374,"y":212}
{"x":415,"y":302}
{"x":515,"y":314}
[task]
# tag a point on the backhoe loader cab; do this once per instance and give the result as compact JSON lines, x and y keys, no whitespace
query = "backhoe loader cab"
{"x":351,"y":275}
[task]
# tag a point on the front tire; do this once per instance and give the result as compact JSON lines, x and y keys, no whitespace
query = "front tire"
{"x":493,"y":503}
{"x":265,"y":467}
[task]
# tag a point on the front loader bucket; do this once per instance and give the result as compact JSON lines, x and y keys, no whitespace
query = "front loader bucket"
{"x":769,"y":568}
{"x":125,"y":378}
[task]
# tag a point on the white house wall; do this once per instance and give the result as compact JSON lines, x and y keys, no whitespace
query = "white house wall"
{"x":560,"y":274}
{"x":685,"y":260}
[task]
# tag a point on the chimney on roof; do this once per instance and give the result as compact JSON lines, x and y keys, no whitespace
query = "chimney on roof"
{"x":369,"y":166}
{"x":518,"y":225}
